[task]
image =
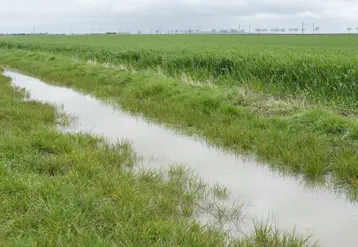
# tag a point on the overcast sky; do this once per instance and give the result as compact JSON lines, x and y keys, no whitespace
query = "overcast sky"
{"x":132,"y":15}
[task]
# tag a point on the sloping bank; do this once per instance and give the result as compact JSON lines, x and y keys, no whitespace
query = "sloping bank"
{"x":314,"y":141}
{"x":61,"y":189}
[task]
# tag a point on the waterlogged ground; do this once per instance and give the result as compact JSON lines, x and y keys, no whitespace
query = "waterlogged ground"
{"x":332,"y":219}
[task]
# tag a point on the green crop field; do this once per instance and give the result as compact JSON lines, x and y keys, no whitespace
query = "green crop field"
{"x":321,"y":67}
{"x":290,"y":101}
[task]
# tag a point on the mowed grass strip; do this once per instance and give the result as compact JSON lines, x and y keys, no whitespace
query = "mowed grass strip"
{"x":61,"y":189}
{"x":314,"y":141}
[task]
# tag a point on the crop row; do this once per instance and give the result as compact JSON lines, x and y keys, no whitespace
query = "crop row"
{"x":323,"y":76}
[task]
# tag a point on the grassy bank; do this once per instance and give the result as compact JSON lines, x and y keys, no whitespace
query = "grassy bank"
{"x":61,"y":189}
{"x":319,"y":68}
{"x":311,"y":140}
{"x":74,"y":190}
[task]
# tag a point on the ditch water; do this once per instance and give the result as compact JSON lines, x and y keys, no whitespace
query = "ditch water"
{"x":333,"y":220}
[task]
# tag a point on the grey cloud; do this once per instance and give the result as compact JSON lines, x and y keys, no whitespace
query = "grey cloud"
{"x":242,"y":7}
{"x":136,"y":14}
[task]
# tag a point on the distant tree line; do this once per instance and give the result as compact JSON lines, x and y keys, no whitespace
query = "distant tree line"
{"x":25,"y":34}
{"x":57,"y":34}
{"x":349,"y":29}
{"x":195,"y":31}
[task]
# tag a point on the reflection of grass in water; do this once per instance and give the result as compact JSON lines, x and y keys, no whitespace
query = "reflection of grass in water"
{"x":64,"y":119}
{"x":267,"y":234}
{"x":210,"y":205}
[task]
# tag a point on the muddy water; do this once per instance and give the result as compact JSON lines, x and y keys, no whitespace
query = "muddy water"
{"x":334,"y":221}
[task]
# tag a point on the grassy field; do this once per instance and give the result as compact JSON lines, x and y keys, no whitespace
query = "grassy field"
{"x":61,"y":189}
{"x":321,"y":68}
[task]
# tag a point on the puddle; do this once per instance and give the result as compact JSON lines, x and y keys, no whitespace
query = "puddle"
{"x":332,"y":220}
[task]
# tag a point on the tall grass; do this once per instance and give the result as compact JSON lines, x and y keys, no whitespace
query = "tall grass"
{"x":326,"y":73}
